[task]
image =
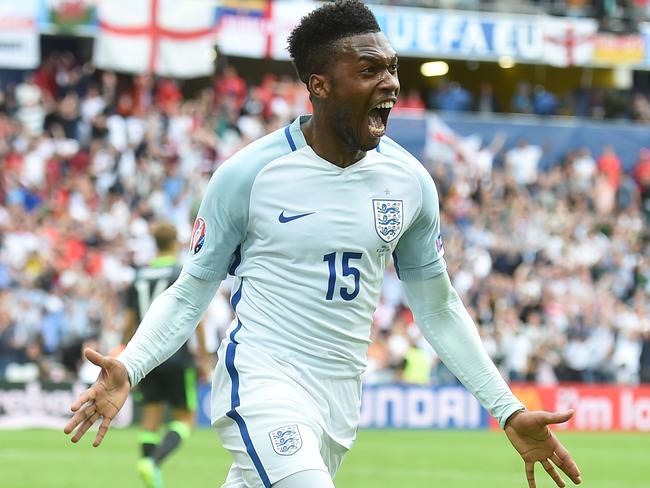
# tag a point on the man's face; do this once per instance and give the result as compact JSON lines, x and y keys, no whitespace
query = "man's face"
{"x":364,"y":89}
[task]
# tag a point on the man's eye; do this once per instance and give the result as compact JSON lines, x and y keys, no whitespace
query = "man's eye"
{"x":393,"y":68}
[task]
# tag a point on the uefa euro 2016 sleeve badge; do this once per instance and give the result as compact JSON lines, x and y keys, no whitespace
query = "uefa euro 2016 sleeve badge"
{"x":286,"y":440}
{"x":440,"y":249}
{"x":198,"y":235}
{"x":388,"y":218}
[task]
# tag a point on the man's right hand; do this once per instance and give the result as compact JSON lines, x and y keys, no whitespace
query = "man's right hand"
{"x":102,"y":400}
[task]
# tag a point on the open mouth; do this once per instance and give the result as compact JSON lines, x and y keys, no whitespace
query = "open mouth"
{"x":378,"y":118}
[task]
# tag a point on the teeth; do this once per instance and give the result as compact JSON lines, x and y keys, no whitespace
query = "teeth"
{"x":385,"y":105}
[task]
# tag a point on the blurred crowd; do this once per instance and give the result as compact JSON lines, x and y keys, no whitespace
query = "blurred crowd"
{"x":552,"y":265}
{"x":595,"y":103}
{"x":88,"y":162}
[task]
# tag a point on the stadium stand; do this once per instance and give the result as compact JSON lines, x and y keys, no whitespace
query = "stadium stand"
{"x":553,"y":264}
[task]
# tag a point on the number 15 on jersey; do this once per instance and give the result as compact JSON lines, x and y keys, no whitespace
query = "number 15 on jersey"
{"x":347,"y":268}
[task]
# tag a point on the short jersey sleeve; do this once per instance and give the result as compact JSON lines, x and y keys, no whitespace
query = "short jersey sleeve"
{"x":419,"y":252}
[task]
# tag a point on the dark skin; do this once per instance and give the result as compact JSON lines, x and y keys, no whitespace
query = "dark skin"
{"x":364,"y":74}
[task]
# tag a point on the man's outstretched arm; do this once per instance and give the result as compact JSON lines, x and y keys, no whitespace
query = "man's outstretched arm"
{"x":446,"y":324}
{"x":172,"y":317}
{"x":166,"y":326}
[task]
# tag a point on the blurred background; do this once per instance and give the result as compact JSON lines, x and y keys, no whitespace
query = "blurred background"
{"x":531,"y":116}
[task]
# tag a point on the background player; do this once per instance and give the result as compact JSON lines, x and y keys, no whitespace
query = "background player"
{"x":307,"y":219}
{"x":172,"y":383}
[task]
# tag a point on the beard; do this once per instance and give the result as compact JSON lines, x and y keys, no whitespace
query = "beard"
{"x":343,"y":120}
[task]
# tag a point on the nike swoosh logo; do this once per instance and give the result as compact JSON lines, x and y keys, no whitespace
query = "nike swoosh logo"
{"x":284,"y":218}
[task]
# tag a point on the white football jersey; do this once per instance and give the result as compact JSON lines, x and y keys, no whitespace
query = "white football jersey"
{"x":308,"y":243}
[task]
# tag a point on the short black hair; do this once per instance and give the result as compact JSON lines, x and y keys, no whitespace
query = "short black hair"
{"x":311,"y":43}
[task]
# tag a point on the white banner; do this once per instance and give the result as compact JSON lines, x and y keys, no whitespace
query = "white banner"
{"x":36,"y":404}
{"x":19,"y":43}
{"x":426,"y":33}
{"x":244,"y":35}
{"x":569,"y":42}
{"x":261,"y":33}
{"x":286,"y":16}
{"x":166,"y":37}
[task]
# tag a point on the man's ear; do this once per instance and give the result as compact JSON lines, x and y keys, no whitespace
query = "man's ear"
{"x":320,"y":86}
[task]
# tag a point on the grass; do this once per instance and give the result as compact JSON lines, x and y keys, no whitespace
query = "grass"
{"x":380,"y":459}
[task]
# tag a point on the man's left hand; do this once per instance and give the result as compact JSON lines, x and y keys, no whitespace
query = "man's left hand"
{"x":528,"y":432}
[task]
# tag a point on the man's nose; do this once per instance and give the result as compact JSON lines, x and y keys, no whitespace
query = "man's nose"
{"x":391,"y":83}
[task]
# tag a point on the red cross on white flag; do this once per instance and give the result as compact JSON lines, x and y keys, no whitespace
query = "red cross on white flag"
{"x":166,"y":37}
{"x":569,"y":42}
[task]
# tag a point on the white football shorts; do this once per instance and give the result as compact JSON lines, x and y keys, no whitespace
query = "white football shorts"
{"x":277,"y":421}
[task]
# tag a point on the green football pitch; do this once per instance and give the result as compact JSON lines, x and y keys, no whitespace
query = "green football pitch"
{"x":380,"y":459}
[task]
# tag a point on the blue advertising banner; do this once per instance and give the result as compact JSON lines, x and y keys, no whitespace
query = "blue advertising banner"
{"x":426,"y":32}
{"x":477,"y":35}
{"x":203,"y":405}
{"x":399,"y":406}
{"x":396,"y":406}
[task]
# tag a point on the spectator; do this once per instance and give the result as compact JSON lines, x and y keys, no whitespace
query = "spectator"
{"x":522,"y":162}
{"x":486,"y":102}
{"x":521,"y":100}
{"x":644,"y":358}
{"x":98,"y":161}
{"x":583,"y":167}
{"x":610,"y":166}
{"x":451,"y":97}
{"x":544,"y":102}
{"x":641,"y":108}
{"x":231,"y":86}
{"x":641,"y":174}
{"x":10,"y":351}
{"x":410,"y":100}
{"x":418,"y":363}
{"x":31,"y":113}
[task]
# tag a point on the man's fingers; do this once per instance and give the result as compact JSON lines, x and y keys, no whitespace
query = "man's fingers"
{"x":84,"y":398}
{"x":101,"y":433}
{"x":95,"y":358}
{"x":565,"y":462}
{"x":552,"y":472}
{"x":79,"y":417}
{"x":530,"y":474}
{"x":74,"y":421}
{"x":557,"y":417}
{"x":84,"y":427}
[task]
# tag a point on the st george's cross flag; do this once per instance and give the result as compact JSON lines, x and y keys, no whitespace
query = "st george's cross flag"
{"x":165,"y":37}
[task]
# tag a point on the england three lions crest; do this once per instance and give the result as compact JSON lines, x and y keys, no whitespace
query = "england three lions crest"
{"x":286,"y":440}
{"x":388,"y":218}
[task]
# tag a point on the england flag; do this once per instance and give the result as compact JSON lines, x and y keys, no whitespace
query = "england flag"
{"x":165,"y":37}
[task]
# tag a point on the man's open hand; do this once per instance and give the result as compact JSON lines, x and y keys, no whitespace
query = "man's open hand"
{"x":529,"y":434}
{"x":102,"y":400}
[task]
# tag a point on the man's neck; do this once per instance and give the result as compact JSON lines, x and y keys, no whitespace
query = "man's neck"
{"x":328,"y":145}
